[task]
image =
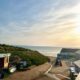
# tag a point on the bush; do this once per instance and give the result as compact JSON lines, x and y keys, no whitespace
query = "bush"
{"x":18,"y":53}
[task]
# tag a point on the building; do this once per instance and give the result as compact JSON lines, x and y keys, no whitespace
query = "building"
{"x":69,"y":54}
{"x":4,"y":60}
{"x":63,"y":55}
{"x":77,"y":66}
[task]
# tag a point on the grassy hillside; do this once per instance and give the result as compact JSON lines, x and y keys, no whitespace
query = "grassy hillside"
{"x":18,"y":53}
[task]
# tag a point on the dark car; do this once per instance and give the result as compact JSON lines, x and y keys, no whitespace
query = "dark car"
{"x":22,"y":65}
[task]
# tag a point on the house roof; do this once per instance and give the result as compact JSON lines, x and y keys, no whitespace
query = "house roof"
{"x":78,"y":77}
{"x":4,"y":55}
{"x":69,"y":50}
{"x":77,"y":63}
{"x":78,"y":51}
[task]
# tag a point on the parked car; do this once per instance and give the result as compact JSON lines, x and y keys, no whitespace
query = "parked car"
{"x":22,"y":65}
{"x":12,"y":69}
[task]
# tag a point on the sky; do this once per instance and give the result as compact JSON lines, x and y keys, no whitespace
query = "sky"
{"x":40,"y":22}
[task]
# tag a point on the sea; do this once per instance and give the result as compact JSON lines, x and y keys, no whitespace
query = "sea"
{"x":45,"y":50}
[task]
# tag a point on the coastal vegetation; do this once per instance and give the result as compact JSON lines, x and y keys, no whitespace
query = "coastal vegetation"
{"x":18,"y":53}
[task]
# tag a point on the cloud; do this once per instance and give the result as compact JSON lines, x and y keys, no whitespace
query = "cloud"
{"x":41,"y":23}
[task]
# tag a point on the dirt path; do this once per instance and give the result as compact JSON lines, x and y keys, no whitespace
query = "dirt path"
{"x":60,"y":69}
{"x":44,"y":78}
{"x":31,"y":74}
{"x":61,"y":72}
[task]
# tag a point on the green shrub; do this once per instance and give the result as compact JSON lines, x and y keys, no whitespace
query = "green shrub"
{"x":32,"y":57}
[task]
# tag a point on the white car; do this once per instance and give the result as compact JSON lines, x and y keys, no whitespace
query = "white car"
{"x":12,"y":69}
{"x":72,"y":69}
